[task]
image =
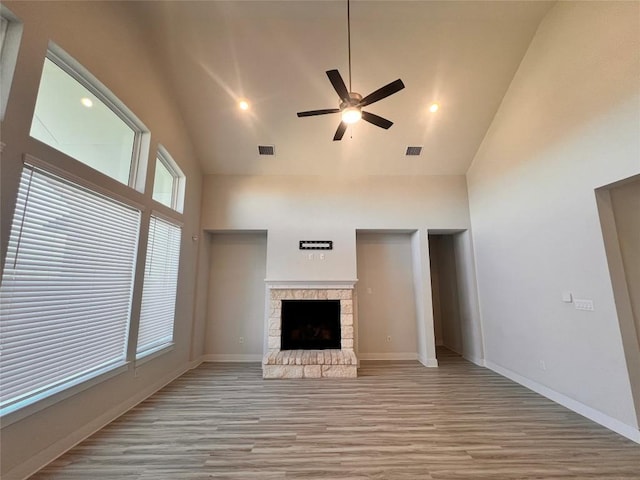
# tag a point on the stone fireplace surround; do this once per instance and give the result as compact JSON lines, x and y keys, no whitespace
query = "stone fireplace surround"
{"x":341,"y":363}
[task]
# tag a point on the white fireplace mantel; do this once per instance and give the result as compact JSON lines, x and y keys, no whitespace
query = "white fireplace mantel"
{"x":311,"y":284}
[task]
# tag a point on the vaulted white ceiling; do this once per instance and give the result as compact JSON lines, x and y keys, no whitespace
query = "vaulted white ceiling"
{"x":462,"y":55}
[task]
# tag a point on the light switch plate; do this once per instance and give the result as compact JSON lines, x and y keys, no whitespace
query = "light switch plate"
{"x":566,"y":297}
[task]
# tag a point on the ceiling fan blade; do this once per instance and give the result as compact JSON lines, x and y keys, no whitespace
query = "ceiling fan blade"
{"x":381,"y":93}
{"x":338,"y":84}
{"x":376,"y":120}
{"x":340,"y":131}
{"x":311,"y":113}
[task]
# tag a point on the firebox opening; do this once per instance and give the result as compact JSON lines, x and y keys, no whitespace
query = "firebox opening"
{"x":310,"y":325}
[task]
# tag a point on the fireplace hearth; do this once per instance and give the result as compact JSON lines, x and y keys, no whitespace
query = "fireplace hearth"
{"x":310,"y":331}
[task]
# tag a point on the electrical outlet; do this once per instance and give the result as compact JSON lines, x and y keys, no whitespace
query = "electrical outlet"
{"x":241,"y":340}
{"x":543,"y":365}
{"x":583,"y":304}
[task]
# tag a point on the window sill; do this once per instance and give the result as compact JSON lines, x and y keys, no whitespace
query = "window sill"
{"x":151,"y":354}
{"x":20,"y":410}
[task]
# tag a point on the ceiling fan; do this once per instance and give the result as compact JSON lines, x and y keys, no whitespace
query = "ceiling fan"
{"x":351,"y":103}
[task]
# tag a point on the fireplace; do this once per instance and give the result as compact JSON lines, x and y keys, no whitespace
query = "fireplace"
{"x":310,"y":325}
{"x":310,"y":331}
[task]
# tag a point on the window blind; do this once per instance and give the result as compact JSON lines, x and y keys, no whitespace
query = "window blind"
{"x":65,"y":296}
{"x":157,"y":313}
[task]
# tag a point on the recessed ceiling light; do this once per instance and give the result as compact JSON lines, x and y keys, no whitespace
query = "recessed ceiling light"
{"x":87,"y":102}
{"x":434,"y":107}
{"x":244,"y":105}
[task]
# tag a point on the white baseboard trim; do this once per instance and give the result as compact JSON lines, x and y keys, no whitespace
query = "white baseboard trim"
{"x":428,"y":362}
{"x":194,"y":363}
{"x":49,"y":454}
{"x":388,"y":356}
{"x":478,"y":361}
{"x":232,"y":357}
{"x":453,"y":350}
{"x":591,"y":413}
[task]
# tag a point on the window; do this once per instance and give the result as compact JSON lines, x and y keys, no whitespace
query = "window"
{"x":168,"y":182}
{"x":74,"y":117}
{"x":4,"y":26}
{"x":66,"y":288}
{"x":10,"y":34}
{"x":157,"y":314}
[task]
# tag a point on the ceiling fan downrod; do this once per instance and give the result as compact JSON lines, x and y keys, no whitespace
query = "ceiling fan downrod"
{"x":351,"y":103}
{"x":349,"y":39}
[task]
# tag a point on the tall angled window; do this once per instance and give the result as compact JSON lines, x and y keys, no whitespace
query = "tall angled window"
{"x":65,"y":296}
{"x":168,"y":182}
{"x":157,"y":315}
{"x":4,"y":27}
{"x":76,"y":117}
{"x":10,"y":34}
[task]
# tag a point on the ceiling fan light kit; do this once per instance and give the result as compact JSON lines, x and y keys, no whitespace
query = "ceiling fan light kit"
{"x":351,"y":103}
{"x":351,"y":115}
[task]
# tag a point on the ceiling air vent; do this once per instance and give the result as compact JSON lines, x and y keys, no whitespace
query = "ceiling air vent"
{"x":413,"y":151}
{"x":266,"y":149}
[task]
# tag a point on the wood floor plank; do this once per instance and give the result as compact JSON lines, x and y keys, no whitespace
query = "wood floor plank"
{"x":396,"y":421}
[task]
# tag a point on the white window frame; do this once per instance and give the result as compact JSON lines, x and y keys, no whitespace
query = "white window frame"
{"x":138,"y":167}
{"x":179,"y":179}
{"x":8,"y":54}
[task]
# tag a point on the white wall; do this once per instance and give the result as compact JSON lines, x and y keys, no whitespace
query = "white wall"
{"x":567,"y":125}
{"x":328,"y":202}
{"x":293,"y":208}
{"x":287,"y":262}
{"x":126,"y":67}
{"x":468,"y":307}
{"x":386,"y":306}
{"x":236,"y":297}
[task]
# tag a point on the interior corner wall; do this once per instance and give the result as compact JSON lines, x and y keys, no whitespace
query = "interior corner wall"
{"x":105,"y":39}
{"x":386,"y":307}
{"x":198,"y":333}
{"x":567,"y":125}
{"x":236,"y":297}
{"x":468,"y":306}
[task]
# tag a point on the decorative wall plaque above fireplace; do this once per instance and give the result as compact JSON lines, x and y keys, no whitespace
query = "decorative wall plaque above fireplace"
{"x":316,"y":244}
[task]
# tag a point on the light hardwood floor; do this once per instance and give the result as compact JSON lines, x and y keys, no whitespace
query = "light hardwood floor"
{"x":396,"y":421}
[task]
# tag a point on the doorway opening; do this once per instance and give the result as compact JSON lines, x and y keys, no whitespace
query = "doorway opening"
{"x":456,"y":317}
{"x":618,"y":206}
